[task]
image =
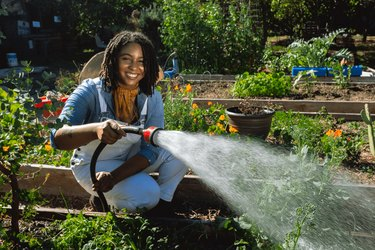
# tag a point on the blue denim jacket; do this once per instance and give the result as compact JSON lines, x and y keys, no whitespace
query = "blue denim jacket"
{"x":83,"y":107}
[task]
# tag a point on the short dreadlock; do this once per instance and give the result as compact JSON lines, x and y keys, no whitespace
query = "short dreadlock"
{"x":109,"y":68}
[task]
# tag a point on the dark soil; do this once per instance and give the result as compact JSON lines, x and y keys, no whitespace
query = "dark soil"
{"x":319,"y":91}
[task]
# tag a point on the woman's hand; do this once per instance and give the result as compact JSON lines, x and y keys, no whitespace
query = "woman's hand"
{"x":105,"y":182}
{"x":109,"y":132}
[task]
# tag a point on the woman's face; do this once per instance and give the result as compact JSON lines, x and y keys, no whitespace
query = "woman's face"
{"x":130,"y":65}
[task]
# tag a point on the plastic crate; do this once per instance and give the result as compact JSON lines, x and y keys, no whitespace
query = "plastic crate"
{"x":318,"y":71}
{"x":356,"y":70}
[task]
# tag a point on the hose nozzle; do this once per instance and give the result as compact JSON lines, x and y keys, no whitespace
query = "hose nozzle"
{"x":148,"y":133}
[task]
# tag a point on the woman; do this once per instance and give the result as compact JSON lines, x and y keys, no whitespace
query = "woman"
{"x":123,"y":94}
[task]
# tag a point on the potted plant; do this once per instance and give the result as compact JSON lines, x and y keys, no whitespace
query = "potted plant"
{"x":250,"y":120}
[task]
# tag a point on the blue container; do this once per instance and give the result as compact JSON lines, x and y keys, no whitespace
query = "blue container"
{"x":318,"y":71}
{"x":12,"y":59}
{"x":356,"y":70}
{"x":175,"y":69}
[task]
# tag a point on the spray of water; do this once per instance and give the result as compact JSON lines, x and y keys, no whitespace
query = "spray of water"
{"x":279,"y":192}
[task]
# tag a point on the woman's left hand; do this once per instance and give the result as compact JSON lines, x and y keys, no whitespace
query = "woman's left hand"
{"x":105,"y":182}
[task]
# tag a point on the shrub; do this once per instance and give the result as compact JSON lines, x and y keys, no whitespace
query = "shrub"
{"x":209,"y":38}
{"x":19,"y":133}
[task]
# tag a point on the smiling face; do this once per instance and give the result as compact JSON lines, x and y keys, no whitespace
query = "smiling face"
{"x":130,"y":65}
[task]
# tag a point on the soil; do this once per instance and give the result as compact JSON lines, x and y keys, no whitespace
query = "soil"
{"x":357,"y":92}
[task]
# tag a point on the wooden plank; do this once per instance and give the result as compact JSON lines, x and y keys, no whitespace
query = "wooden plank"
{"x":231,"y":78}
{"x":345,"y":109}
{"x":207,"y":77}
{"x":52,"y":180}
{"x":61,"y":181}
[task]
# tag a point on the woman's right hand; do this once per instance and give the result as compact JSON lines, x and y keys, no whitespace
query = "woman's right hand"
{"x":109,"y":132}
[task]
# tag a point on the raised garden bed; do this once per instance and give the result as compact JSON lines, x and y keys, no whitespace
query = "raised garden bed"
{"x":340,"y":102}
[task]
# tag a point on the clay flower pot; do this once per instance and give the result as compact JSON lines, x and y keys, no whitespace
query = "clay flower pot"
{"x":256,"y":121}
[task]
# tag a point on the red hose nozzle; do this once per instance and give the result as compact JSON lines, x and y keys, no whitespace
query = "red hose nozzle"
{"x":149,"y":134}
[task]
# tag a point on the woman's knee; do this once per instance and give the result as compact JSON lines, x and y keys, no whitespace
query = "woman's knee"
{"x":136,"y":192}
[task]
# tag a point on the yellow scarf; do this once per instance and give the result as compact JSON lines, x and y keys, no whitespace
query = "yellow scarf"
{"x":124,"y":99}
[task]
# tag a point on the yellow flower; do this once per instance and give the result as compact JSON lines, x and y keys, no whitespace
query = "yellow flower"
{"x":232,"y":129}
{"x":176,"y":87}
{"x":209,"y":103}
{"x":211,"y":133}
{"x":195,"y":106}
{"x":222,"y":118}
{"x":188,"y":88}
{"x":330,"y":132}
{"x":220,"y":126}
{"x":47,"y":147}
{"x":5,"y":148}
{"x":337,"y":133}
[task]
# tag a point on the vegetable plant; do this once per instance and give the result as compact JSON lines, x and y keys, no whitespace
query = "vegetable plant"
{"x":262,"y":84}
{"x":366,"y":117}
{"x":311,"y":53}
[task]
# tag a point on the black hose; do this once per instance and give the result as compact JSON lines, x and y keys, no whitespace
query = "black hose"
{"x":94,"y":159}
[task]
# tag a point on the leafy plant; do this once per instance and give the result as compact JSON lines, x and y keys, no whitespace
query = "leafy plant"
{"x":262,"y":84}
{"x":198,"y":30}
{"x":308,"y":77}
{"x":18,"y":130}
{"x":108,"y":232}
{"x":22,"y":138}
{"x":320,"y":134}
{"x":178,"y":102}
{"x":192,"y":118}
{"x":304,"y":218}
{"x":66,"y":82}
{"x":3,"y":12}
{"x":366,"y":117}
{"x":311,"y":53}
{"x":338,"y":71}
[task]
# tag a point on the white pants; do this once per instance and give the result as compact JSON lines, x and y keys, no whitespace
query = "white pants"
{"x":140,"y":190}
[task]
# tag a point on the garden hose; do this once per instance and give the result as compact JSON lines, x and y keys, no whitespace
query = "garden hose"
{"x":148,"y":134}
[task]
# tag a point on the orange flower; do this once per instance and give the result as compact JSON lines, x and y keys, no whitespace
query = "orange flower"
{"x":222,"y":118}
{"x":220,"y":126}
{"x":5,"y":148}
{"x":337,"y":133}
{"x":47,"y":147}
{"x":330,"y":132}
{"x":209,"y":103}
{"x":195,"y":106}
{"x":188,"y":88}
{"x":232,"y":129}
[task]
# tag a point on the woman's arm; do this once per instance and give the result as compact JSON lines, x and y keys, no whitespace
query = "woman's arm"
{"x":71,"y":137}
{"x":107,"y":180}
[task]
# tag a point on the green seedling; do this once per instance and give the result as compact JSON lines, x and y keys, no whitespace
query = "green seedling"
{"x":366,"y":117}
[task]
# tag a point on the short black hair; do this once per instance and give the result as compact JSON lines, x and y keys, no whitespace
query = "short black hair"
{"x":109,"y":68}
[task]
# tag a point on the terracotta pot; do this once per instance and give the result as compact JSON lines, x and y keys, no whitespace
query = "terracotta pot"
{"x":257,"y":125}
